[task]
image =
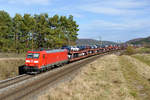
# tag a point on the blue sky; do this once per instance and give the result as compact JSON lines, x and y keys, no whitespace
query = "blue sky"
{"x":113,"y":20}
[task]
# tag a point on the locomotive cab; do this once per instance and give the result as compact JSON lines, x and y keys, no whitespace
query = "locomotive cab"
{"x":33,"y":62}
{"x":32,"y":59}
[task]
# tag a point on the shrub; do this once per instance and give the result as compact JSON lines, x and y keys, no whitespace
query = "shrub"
{"x":4,"y":49}
{"x":143,"y":50}
{"x":130,"y":50}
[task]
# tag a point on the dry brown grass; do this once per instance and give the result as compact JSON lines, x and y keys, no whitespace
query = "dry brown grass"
{"x":137,"y":75}
{"x":9,"y":67}
{"x":142,"y":68}
{"x":101,"y":80}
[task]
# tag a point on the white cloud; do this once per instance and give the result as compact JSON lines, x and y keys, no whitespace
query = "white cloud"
{"x":101,"y":10}
{"x":77,"y":15}
{"x":130,"y":4}
{"x":128,"y":24}
{"x":113,"y":7}
{"x":115,"y":30}
{"x":30,"y":2}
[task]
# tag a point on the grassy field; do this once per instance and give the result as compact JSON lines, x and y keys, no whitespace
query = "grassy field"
{"x":145,"y":58}
{"x":9,"y":63}
{"x":12,"y":55}
{"x":109,"y":78}
{"x":143,"y":50}
{"x":9,"y":67}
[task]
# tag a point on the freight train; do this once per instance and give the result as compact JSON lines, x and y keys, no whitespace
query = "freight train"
{"x":38,"y":61}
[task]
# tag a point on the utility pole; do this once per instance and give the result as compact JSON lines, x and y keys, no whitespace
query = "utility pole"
{"x":100,"y":40}
{"x":32,"y":41}
{"x":68,"y":39}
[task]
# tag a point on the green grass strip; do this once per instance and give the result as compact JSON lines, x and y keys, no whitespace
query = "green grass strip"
{"x":139,"y":87}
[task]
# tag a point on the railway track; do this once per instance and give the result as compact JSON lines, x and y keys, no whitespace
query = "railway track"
{"x":41,"y":82}
{"x":14,"y":80}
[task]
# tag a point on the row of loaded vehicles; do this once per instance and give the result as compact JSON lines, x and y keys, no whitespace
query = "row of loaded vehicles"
{"x":38,"y":61}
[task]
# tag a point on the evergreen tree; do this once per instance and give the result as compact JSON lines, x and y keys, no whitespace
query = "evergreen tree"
{"x":27,"y":32}
{"x":29,"y":24}
{"x":17,"y":30}
{"x":41,"y":29}
{"x":5,"y":29}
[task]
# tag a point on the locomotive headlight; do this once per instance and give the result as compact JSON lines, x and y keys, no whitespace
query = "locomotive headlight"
{"x":27,"y":61}
{"x":36,"y":61}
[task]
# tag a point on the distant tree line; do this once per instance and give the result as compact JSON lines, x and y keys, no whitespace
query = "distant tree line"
{"x":22,"y":33}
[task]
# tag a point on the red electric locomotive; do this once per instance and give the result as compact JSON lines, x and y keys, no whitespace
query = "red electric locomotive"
{"x":42,"y":60}
{"x":38,"y":61}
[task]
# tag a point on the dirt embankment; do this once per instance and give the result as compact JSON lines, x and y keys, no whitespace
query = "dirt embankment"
{"x":9,"y":67}
{"x":109,"y":78}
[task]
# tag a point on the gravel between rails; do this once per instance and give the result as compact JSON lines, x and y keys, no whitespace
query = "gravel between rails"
{"x":35,"y":85}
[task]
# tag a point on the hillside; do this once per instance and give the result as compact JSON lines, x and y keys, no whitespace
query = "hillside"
{"x":140,"y":41}
{"x":92,"y":42}
{"x":111,"y":77}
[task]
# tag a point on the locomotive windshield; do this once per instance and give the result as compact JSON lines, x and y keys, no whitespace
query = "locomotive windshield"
{"x":33,"y":55}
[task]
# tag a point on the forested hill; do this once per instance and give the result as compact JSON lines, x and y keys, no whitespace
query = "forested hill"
{"x":25,"y":32}
{"x":92,"y":42}
{"x":143,"y":41}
